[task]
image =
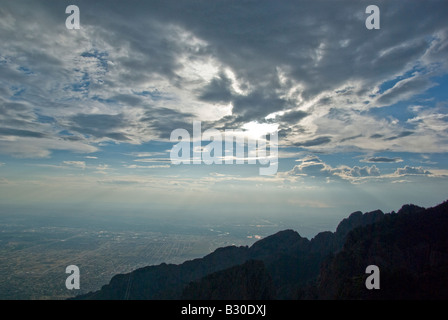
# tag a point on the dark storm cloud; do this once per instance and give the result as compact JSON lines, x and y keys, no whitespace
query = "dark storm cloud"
{"x":20,"y":133}
{"x":136,"y":27}
{"x":100,"y":125}
{"x":99,"y":121}
{"x":293,"y":117}
{"x":11,"y":111}
{"x":284,"y":55}
{"x":351,"y":138}
{"x":382,"y":160}
{"x":401,"y":135}
{"x":257,"y":105}
{"x":228,"y":122}
{"x":128,"y":99}
{"x":18,"y":119}
{"x":163,"y":121}
{"x":254,"y":106}
{"x":218,"y":90}
{"x":314,"y":142}
{"x":254,"y":37}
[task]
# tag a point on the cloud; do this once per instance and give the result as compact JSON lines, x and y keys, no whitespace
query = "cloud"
{"x":433,"y":120}
{"x":400,"y":135}
{"x":102,"y":169}
{"x":218,"y":90}
{"x":20,"y":133}
{"x":100,"y":125}
{"x":404,"y":90}
{"x":25,"y":147}
{"x":134,"y":166}
{"x":408,"y":170}
{"x":382,"y":160}
{"x":163,"y":121}
{"x":128,"y":99}
{"x":147,"y":160}
{"x":312,"y":166}
{"x":314,"y":142}
{"x":120,"y":182}
{"x":356,"y":172}
{"x":149,"y":154}
{"x":351,"y":138}
{"x":75,"y":164}
{"x":311,"y":64}
{"x":292,"y":117}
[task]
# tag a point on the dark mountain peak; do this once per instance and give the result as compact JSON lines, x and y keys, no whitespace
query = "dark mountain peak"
{"x":224,"y":254}
{"x":410,"y":248}
{"x":324,"y":242}
{"x":357,"y":219}
{"x":323,"y":235}
{"x":353,"y":215}
{"x":278,"y":242}
{"x":410,"y":208}
{"x":227,"y":250}
{"x":373,"y":215}
{"x":283,"y":235}
{"x":346,"y":223}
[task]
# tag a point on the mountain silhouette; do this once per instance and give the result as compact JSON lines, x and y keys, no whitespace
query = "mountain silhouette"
{"x":410,"y":248}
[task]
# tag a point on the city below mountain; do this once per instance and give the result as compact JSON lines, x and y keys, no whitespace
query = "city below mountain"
{"x":409,"y":247}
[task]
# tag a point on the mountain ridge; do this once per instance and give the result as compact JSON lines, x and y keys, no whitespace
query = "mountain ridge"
{"x":285,"y":265}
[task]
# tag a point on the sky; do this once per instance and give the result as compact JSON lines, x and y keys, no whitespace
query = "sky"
{"x":86,"y":115}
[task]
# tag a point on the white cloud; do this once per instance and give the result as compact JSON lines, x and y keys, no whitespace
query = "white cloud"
{"x":311,"y":166}
{"x":403,"y":90}
{"x":356,"y":174}
{"x":41,"y":148}
{"x":148,"y":154}
{"x":149,"y":160}
{"x":314,"y":167}
{"x":75,"y":164}
{"x":408,"y":170}
{"x":134,"y":166}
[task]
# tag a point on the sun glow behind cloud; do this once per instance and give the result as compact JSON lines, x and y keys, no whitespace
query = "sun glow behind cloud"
{"x":77,"y":107}
{"x":255,"y":130}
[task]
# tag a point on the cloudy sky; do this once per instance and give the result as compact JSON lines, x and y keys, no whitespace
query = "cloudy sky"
{"x":86,"y":115}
